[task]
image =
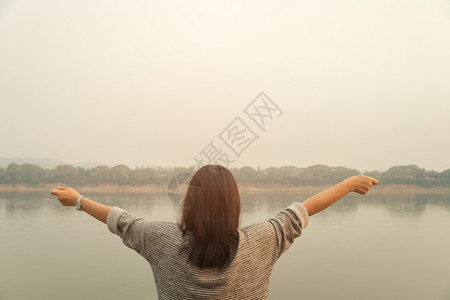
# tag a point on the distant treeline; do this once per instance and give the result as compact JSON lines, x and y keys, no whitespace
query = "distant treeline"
{"x":32,"y":174}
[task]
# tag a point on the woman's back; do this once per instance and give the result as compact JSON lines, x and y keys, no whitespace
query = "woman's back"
{"x":245,"y":275}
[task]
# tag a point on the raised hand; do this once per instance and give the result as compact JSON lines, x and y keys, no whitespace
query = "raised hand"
{"x":66,"y":195}
{"x":361,"y":184}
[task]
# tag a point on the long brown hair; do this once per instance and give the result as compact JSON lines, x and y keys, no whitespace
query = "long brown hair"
{"x":211,"y":212}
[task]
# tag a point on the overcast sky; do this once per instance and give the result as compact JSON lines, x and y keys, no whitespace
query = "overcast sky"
{"x":361,"y":84}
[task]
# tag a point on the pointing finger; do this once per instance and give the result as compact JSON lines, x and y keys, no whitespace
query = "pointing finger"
{"x":55,"y":192}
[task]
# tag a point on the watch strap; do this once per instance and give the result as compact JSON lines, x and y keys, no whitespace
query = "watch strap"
{"x":78,"y":203}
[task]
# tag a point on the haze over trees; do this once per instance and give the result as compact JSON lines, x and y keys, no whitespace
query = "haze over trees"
{"x":32,"y":174}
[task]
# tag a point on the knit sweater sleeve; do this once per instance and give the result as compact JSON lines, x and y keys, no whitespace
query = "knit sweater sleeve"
{"x":288,"y":225}
{"x":130,"y":229}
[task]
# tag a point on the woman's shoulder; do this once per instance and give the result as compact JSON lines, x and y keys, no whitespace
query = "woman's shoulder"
{"x":291,"y":214}
{"x":163,"y":231}
{"x":256,"y":230}
{"x":162,"y":225}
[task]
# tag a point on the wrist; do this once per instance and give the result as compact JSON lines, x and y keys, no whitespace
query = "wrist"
{"x":78,"y":202}
{"x":348,"y":185}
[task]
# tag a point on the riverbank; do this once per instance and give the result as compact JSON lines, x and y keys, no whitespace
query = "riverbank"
{"x":110,"y":188}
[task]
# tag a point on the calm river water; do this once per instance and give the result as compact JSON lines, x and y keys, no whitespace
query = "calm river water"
{"x":363,"y":247}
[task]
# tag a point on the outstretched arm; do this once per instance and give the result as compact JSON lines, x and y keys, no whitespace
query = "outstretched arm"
{"x":68,"y":196}
{"x":359,"y":184}
{"x":129,"y":228}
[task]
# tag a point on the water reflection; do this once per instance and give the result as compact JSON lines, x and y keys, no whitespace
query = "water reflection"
{"x":12,"y":202}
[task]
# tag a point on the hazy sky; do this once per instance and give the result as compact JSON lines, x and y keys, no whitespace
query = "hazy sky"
{"x":361,"y":84}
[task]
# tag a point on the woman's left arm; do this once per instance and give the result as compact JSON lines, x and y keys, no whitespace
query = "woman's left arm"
{"x":68,"y":196}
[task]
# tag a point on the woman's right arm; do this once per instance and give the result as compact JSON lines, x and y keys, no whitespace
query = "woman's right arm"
{"x":359,"y":184}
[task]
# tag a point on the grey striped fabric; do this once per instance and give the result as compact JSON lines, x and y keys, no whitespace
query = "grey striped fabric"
{"x":245,"y":276}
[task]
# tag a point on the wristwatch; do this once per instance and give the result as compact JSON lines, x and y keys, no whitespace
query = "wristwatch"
{"x":78,"y":203}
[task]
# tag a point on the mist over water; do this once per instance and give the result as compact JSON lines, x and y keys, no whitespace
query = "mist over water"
{"x":363,"y":247}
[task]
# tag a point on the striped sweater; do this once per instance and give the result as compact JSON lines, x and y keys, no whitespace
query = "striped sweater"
{"x":245,"y":275}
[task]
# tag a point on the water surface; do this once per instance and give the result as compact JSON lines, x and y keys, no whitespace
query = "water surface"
{"x":363,"y":247}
